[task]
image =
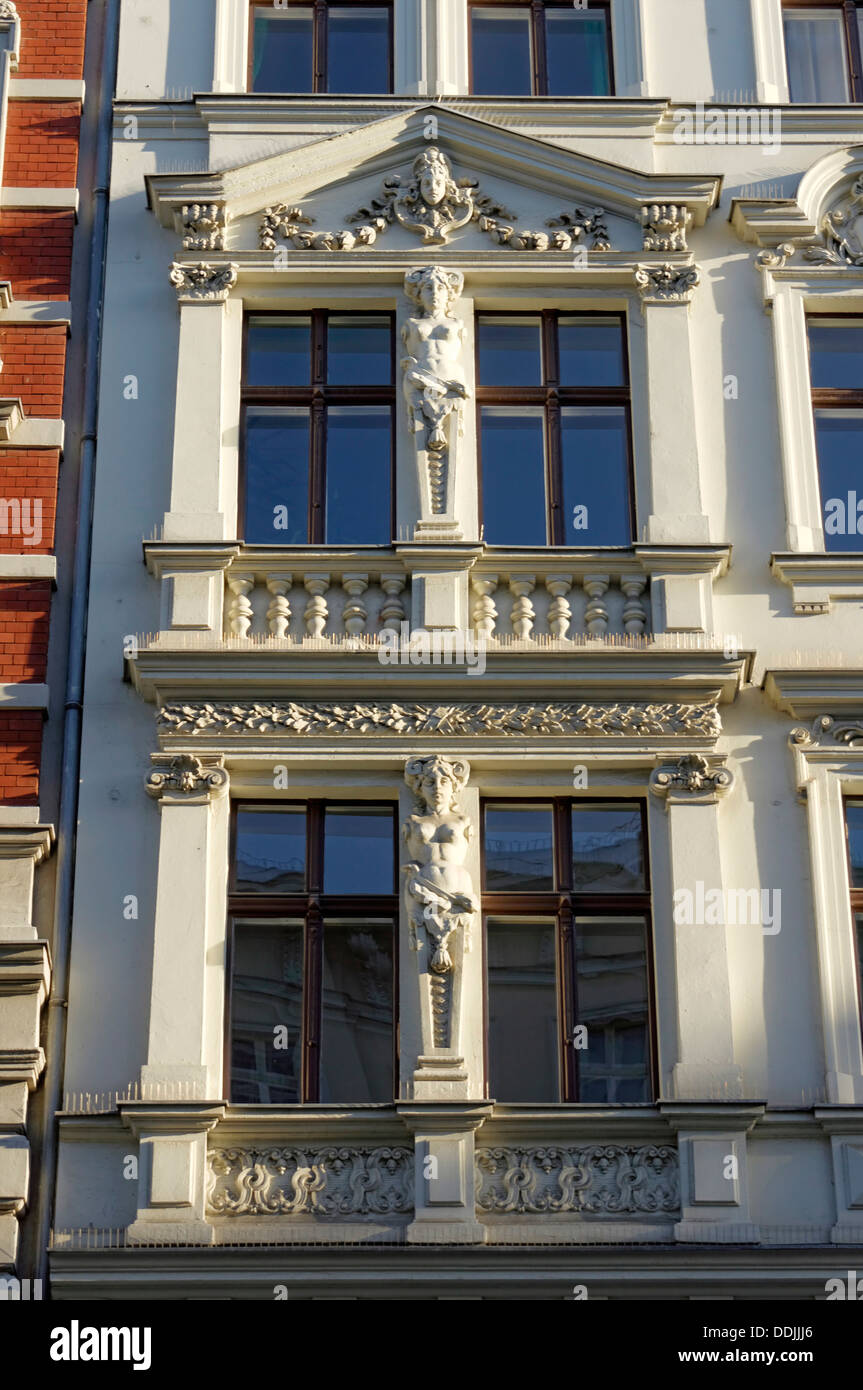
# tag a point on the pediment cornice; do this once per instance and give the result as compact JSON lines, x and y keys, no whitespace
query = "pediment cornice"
{"x":477,"y":150}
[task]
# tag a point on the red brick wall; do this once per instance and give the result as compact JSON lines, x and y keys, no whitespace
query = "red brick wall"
{"x":24,"y":613}
{"x":42,"y":144}
{"x":53,"y":38}
{"x":21,"y":742}
{"x":34,"y":364}
{"x":29,"y":474}
{"x":36,"y":253}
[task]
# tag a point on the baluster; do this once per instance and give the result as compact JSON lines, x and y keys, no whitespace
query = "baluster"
{"x":596,"y":612}
{"x":356,"y":614}
{"x":634,"y":610}
{"x":484,"y":610}
{"x":317,"y":612}
{"x":279,"y":611}
{"x":240,"y":611}
{"x":559,"y":611}
{"x":523,"y":612}
{"x":393,"y":611}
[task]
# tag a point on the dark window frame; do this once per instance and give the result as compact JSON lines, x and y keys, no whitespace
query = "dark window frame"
{"x":832,"y":398}
{"x":313,"y":907}
{"x":320,"y":45}
{"x":562,"y":905}
{"x":539,"y":65}
{"x":317,"y":396}
{"x":856,"y":905}
{"x":553,"y":397}
{"x":853,"y":55}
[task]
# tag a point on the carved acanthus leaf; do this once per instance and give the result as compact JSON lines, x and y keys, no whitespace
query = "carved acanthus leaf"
{"x":594,"y":1179}
{"x":203,"y":282}
{"x":331,"y":1181}
{"x":665,"y":226}
{"x":186,"y":775}
{"x":203,"y":226}
{"x":667,"y":283}
{"x":842,"y":230}
{"x":692,"y":775}
{"x":454,"y":719}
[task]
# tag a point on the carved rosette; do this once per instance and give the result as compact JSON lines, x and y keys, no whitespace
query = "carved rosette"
{"x":203,"y":226}
{"x":450,"y":719}
{"x":666,"y":284}
{"x":203,"y":283}
{"x":594,"y":1179}
{"x":691,"y":778}
{"x":440,"y":899}
{"x":665,"y":226}
{"x":333,"y":1181}
{"x":186,"y":776}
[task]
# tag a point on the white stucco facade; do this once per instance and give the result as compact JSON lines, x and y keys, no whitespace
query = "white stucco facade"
{"x":712,"y":670}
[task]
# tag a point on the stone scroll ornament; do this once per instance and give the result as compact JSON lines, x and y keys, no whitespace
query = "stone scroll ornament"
{"x":439,"y":892}
{"x":434,"y":388}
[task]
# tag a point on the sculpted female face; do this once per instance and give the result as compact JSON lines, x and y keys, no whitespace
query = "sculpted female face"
{"x":432,"y":181}
{"x":434,"y":295}
{"x":437,"y":788}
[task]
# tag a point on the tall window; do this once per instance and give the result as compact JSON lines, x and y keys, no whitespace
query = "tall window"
{"x":535,"y":48}
{"x":313,"y":910}
{"x":836,"y":366}
{"x":341,"y":48}
{"x":822,"y":49}
{"x":566,"y":909}
{"x":854,"y":832}
{"x":554,"y":427}
{"x":318,"y":404}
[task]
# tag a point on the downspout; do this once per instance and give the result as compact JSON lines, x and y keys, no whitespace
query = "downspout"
{"x":55,"y":1045}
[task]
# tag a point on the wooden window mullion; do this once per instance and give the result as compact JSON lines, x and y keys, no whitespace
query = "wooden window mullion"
{"x":553,"y":466}
{"x":319,"y":47}
{"x":314,"y":947}
{"x":538,"y":48}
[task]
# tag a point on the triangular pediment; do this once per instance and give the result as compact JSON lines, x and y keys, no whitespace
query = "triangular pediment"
{"x":342,"y":185}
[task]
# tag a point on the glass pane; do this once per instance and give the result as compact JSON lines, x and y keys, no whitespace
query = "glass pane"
{"x":357,"y":1014}
{"x":577,"y":53}
{"x":266,"y":1012}
{"x":839,"y":438}
{"x":359,"y":444}
{"x":358,"y":49}
{"x":519,"y":849}
{"x":359,"y":352}
{"x":595,"y":451}
{"x":359,"y":851}
{"x":270,"y":855}
{"x":510,"y":352}
{"x":278,"y":351}
{"x":611,"y":1002}
{"x":277,"y":476}
{"x":591,"y":352}
{"x":513,"y":475}
{"x":607,"y":851}
{"x":522,"y":1011}
{"x":836,"y":353}
{"x":854,"y":817}
{"x":815,"y":54}
{"x":500,"y":51}
{"x":283,"y":50}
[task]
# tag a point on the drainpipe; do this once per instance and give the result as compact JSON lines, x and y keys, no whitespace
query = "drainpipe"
{"x":55,"y":1044}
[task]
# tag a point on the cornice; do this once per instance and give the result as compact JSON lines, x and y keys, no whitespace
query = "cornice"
{"x":806,"y":692}
{"x":819,"y":578}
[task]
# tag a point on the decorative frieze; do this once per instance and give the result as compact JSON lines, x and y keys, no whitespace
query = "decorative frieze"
{"x":203,"y":283}
{"x":665,"y":227}
{"x":666,"y":284}
{"x":451,"y":719}
{"x":331,"y":1181}
{"x":691,"y":775}
{"x":203,"y":226}
{"x":185,"y":775}
{"x":596,"y":1179}
{"x":827,"y":732}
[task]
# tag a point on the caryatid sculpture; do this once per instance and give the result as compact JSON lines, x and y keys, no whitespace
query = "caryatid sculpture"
{"x":439,"y":891}
{"x":434,"y":383}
